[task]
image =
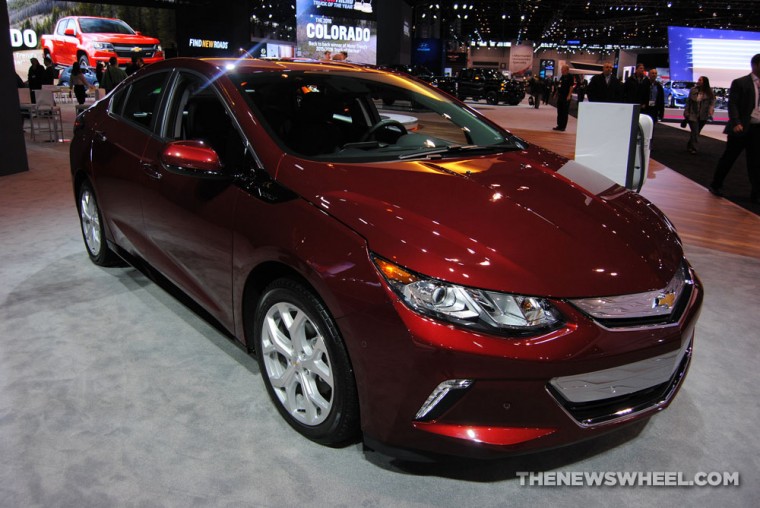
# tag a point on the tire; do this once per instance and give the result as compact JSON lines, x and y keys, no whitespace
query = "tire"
{"x":304,"y":364}
{"x":492,"y":98}
{"x":93,"y":232}
{"x":672,"y":102}
{"x":84,"y":61}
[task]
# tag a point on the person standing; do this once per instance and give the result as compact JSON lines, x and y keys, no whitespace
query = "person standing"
{"x":113,"y":75}
{"x":605,"y":87}
{"x":743,"y":130}
{"x":633,"y":85}
{"x":51,"y":73}
{"x":35,"y":77}
{"x":132,"y":67}
{"x":580,"y":88}
{"x":99,"y":68}
{"x":536,"y":89}
{"x":548,"y":89}
{"x":700,"y":106}
{"x":564,"y":95}
{"x":653,"y":97}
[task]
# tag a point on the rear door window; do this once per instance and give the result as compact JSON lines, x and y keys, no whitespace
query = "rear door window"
{"x":143,"y":98}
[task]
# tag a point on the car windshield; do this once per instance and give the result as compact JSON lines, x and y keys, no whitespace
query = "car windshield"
{"x":345,"y":115}
{"x":104,"y":26}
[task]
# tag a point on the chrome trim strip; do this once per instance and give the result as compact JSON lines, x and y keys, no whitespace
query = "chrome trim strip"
{"x":633,"y":411}
{"x":621,"y":380}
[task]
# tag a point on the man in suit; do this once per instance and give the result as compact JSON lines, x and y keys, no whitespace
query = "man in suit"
{"x":605,"y":87}
{"x":653,"y":97}
{"x":564,"y":95}
{"x":743,"y":130}
{"x":633,"y":85}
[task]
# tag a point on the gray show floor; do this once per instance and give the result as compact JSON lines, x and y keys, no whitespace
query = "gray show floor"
{"x":112,"y":393}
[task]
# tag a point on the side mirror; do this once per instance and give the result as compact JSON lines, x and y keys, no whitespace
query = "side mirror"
{"x":192,"y":158}
{"x":69,"y":32}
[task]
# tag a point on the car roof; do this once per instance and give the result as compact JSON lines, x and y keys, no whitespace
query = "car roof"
{"x":285,"y":64}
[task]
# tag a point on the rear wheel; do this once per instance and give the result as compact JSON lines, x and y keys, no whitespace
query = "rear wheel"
{"x":492,"y":98}
{"x":304,"y":364}
{"x":92,"y":228}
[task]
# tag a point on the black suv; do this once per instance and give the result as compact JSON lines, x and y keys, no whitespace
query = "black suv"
{"x":482,"y":83}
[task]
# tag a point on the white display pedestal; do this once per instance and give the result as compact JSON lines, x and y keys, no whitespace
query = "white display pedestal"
{"x":612,"y":140}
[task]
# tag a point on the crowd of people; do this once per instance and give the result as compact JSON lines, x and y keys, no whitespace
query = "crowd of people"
{"x":107,"y":76}
{"x":643,"y":88}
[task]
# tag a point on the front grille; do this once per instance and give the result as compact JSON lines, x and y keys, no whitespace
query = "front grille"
{"x":128,"y":51}
{"x":673,"y":317}
{"x":609,"y":410}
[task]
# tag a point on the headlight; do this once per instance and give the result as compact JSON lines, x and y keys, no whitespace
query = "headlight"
{"x":159,"y":48}
{"x":478,"y":309}
{"x":103,"y":46}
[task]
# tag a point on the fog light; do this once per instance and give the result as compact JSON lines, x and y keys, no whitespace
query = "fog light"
{"x":440,"y":393}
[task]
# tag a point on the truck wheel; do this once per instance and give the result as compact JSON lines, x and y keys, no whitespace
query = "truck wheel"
{"x":492,"y":98}
{"x":84,"y":61}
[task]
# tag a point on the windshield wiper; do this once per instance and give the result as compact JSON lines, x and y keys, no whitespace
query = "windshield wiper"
{"x":441,"y":151}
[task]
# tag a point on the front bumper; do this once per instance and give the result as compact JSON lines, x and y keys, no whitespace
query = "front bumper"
{"x":525,"y":394}
{"x":679,"y":101}
{"x":125,"y":58}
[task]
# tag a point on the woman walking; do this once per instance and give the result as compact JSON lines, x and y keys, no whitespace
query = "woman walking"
{"x":699,"y":109}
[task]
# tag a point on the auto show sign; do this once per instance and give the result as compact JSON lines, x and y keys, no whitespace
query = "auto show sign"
{"x":337,"y":29}
{"x":520,"y":58}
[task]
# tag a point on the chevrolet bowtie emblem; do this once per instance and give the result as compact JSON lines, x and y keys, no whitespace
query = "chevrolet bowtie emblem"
{"x":136,"y":49}
{"x":667,"y":300}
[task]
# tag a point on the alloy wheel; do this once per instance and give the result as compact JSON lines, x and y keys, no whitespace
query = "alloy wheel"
{"x":90,"y":219}
{"x":297,"y":363}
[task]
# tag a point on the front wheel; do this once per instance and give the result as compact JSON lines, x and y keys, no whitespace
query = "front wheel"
{"x":84,"y":61}
{"x":304,"y":364}
{"x":492,"y":98}
{"x":93,"y":231}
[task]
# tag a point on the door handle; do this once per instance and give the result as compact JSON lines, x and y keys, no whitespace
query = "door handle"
{"x":151,"y":170}
{"x":101,"y":136}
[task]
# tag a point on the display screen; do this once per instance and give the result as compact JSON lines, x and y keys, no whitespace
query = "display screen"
{"x":35,"y":31}
{"x":721,"y":55}
{"x":337,"y":29}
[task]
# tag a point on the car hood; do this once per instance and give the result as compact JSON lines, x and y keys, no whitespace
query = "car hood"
{"x":527,"y":222}
{"x":122,"y":38}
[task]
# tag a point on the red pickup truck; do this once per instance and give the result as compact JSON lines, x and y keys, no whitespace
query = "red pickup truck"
{"x":90,"y":40}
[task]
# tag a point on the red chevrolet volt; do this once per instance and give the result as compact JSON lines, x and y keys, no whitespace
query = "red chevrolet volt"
{"x":402,"y":268}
